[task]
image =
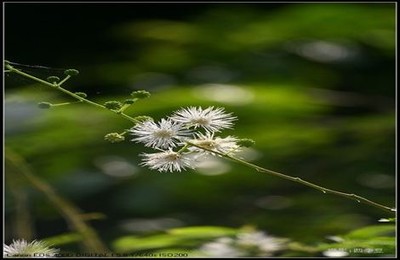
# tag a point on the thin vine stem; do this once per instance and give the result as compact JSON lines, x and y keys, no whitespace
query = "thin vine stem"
{"x":324,"y":190}
{"x":58,"y":87}
{"x":64,"y":80}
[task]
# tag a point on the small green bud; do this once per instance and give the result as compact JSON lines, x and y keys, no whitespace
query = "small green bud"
{"x":71,"y":72}
{"x":140,"y":94}
{"x":113,"y":105}
{"x":53,"y":79}
{"x":143,"y":118}
{"x":81,"y":94}
{"x":114,"y":137}
{"x":44,"y":105}
{"x":129,"y":101}
{"x":245,"y":142}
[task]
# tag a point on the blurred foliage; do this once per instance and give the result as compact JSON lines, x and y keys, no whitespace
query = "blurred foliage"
{"x":313,"y":84}
{"x":372,"y":241}
{"x":189,"y":240}
{"x":175,"y":238}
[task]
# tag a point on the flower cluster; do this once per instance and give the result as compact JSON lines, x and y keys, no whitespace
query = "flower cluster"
{"x":184,"y":138}
{"x":21,"y":248}
{"x":253,"y":243}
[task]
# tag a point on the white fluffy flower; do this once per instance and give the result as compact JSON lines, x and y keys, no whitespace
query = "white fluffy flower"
{"x":335,"y":252}
{"x":266,"y":245}
{"x":210,"y":119}
{"x":208,"y":141}
{"x":221,"y":247}
{"x":164,"y":134}
{"x":168,"y":161}
{"x":255,"y":243}
{"x":21,"y":248}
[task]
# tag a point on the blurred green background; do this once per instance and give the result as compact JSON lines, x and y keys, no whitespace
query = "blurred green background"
{"x":313,"y":84}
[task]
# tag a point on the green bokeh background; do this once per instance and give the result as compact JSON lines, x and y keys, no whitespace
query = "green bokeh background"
{"x":312,"y":84}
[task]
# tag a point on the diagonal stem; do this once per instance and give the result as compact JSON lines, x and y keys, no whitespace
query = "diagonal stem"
{"x":58,"y":87}
{"x":298,"y":180}
{"x":227,"y":156}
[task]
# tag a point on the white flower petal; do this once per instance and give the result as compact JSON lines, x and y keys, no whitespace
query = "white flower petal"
{"x":225,"y":145}
{"x":164,"y":134}
{"x":220,"y":248}
{"x":265,"y":243}
{"x":212,"y":120}
{"x":24,"y":249}
{"x":168,"y":161}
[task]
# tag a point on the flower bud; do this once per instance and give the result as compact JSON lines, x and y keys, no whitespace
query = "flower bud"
{"x":129,"y":101}
{"x":53,"y":79}
{"x":44,"y":105}
{"x":81,"y":94}
{"x":113,"y":105}
{"x":143,"y":118}
{"x":114,"y":137}
{"x":140,"y":94}
{"x":245,"y":142}
{"x":71,"y":72}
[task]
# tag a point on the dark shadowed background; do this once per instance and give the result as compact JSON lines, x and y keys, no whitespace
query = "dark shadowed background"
{"x":312,"y":84}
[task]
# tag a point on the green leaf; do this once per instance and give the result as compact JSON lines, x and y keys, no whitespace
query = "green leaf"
{"x":376,"y":240}
{"x":371,"y":232}
{"x":135,"y":243}
{"x":63,"y":239}
{"x":178,"y":237}
{"x":203,"y":231}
